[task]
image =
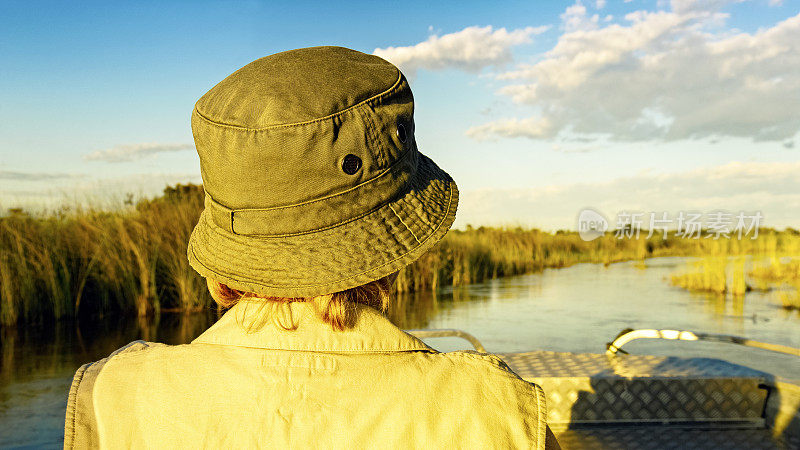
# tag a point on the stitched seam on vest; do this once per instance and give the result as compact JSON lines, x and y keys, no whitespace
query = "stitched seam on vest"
{"x":320,"y":119}
{"x":390,"y":350}
{"x":541,"y":425}
{"x":72,"y":401}
{"x":339,"y":280}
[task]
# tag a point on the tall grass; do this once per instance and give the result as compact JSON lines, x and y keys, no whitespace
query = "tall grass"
{"x":735,"y":267}
{"x":93,"y":262}
{"x":783,"y":276}
{"x":89,"y":262}
{"x":717,"y":275}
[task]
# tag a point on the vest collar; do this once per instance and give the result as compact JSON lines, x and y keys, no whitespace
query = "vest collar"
{"x":372,"y":331}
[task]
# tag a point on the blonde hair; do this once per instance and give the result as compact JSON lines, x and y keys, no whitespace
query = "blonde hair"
{"x":337,"y":310}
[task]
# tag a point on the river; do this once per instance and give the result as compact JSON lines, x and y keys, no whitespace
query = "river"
{"x":575,"y":309}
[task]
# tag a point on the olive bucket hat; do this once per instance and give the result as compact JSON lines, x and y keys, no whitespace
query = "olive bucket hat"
{"x":312,"y":176}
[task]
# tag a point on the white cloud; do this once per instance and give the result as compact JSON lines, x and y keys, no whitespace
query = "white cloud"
{"x":772,"y":188}
{"x":664,"y":75}
{"x":470,"y":49}
{"x":575,"y":19}
{"x":132,"y":152}
{"x":532,"y":127}
{"x":11,"y":175}
{"x":684,"y":6}
{"x":600,"y":4}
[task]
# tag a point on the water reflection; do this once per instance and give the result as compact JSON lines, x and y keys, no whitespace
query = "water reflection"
{"x":38,"y":363}
{"x":43,"y":350}
{"x":580,"y":308}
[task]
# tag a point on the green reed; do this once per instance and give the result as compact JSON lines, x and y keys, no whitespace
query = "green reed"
{"x":92,"y":262}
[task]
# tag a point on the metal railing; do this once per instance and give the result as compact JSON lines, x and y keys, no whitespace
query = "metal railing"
{"x":626,"y":336}
{"x":422,"y":334}
{"x":630,"y":334}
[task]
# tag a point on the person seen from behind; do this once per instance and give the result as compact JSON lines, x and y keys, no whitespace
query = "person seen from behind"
{"x":315,"y":197}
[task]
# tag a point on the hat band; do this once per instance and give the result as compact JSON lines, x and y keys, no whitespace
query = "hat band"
{"x":318,"y":214}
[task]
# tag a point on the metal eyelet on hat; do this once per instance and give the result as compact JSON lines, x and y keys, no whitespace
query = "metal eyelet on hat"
{"x":351,"y":164}
{"x":401,"y":133}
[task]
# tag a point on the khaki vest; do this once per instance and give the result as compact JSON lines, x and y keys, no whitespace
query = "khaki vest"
{"x":372,"y":386}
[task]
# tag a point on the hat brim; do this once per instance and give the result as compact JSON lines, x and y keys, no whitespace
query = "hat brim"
{"x":335,"y":259}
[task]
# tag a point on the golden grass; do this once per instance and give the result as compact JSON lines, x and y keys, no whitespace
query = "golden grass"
{"x":782,"y":275}
{"x":99,"y":262}
{"x":718,"y":275}
{"x":768,"y":266}
{"x":93,"y":262}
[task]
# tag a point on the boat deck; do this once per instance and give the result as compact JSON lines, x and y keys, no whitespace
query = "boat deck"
{"x":641,"y":401}
{"x":649,"y":437}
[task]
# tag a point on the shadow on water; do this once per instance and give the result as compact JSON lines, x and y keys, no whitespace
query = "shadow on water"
{"x":416,"y":310}
{"x":38,"y":364}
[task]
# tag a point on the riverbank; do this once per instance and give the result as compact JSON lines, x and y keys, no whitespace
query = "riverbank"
{"x":93,"y":263}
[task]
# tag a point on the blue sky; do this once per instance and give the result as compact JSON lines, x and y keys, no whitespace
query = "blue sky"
{"x":537,"y":109}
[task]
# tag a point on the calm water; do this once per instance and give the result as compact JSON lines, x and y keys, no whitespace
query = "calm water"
{"x":575,"y":309}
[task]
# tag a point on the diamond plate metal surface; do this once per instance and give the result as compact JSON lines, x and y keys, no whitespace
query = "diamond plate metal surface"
{"x":673,"y":438}
{"x":584,"y":388}
{"x":541,"y":364}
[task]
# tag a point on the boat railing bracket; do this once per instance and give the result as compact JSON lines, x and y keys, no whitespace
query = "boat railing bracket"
{"x":438,"y":333}
{"x":630,"y":334}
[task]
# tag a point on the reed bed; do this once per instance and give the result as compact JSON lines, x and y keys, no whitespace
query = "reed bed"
{"x":87,"y":262}
{"x":717,"y":275}
{"x":783,"y":276}
{"x":736,"y":267}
